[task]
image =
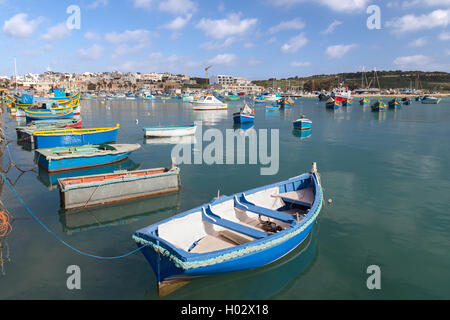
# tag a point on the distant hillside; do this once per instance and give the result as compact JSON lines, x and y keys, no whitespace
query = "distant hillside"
{"x":430,"y":81}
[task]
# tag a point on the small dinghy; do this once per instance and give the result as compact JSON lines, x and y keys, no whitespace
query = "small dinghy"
{"x":303,"y":124}
{"x":170,"y":131}
{"x":332,"y":104}
{"x":244,"y":231}
{"x":273,"y":107}
{"x":379,"y":106}
{"x":74,"y":158}
{"x":246,"y":114}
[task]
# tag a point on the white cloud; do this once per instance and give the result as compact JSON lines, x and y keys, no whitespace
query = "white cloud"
{"x":142,"y":4}
{"x":418,"y":61}
{"x":294,"y":44}
{"x":141,"y":36}
{"x":56,"y":32}
{"x":230,"y":26}
{"x":178,"y":23}
{"x":92,"y":36}
{"x":420,"y":42}
{"x":331,"y":27}
{"x":444,"y":36}
{"x":98,"y":3}
{"x":430,"y":3}
{"x":338,"y":51}
{"x":177,"y":6}
{"x":254,"y":62}
{"x":410,"y":22}
{"x":249,"y":45}
{"x":218,"y":45}
{"x":93,"y":53}
{"x":335,"y":5}
{"x":295,"y":24}
{"x":226,"y":59}
{"x":298,"y":64}
{"x":19,"y":26}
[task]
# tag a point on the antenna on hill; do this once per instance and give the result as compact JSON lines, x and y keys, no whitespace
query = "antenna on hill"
{"x":207,"y":77}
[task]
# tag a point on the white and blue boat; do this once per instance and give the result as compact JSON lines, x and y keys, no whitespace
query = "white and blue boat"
{"x":303,"y":124}
{"x":75,"y":158}
{"x":431,"y":100}
{"x":232,"y":233}
{"x":246,"y":114}
{"x":170,"y":131}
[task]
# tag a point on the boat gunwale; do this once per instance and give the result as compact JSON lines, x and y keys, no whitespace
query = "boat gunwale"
{"x":71,"y":131}
{"x":147,"y":236}
{"x":118,"y":149}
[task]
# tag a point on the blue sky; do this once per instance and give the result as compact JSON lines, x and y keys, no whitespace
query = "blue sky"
{"x":256,"y":39}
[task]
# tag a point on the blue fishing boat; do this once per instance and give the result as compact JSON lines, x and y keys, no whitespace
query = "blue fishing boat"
{"x":286,"y":102}
{"x":406,"y":101}
{"x":246,"y":114}
{"x":364,"y":101}
{"x":273,"y":107}
{"x":51,"y":114}
{"x":303,"y":124}
{"x":74,"y":137}
{"x":332,"y":104}
{"x":74,"y":158}
{"x":232,"y":233}
{"x":347,"y":102}
{"x":395,"y":104}
{"x":379,"y":106}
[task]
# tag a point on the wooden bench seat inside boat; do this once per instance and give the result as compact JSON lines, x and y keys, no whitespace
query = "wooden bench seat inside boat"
{"x":210,"y":217}
{"x":240,"y":202}
{"x":303,"y":197}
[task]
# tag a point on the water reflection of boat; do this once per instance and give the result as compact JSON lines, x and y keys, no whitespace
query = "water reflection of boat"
{"x":51,"y":180}
{"x":211,"y":117}
{"x":302,"y":134}
{"x":118,"y":214}
{"x":243,"y":126}
{"x":171,"y":140}
{"x":256,"y":284}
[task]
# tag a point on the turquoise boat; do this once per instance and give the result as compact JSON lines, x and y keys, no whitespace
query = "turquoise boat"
{"x":232,"y":233}
{"x":74,"y":158}
{"x":51,"y":114}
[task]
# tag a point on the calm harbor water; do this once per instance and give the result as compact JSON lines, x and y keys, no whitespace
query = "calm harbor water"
{"x":388,"y":175}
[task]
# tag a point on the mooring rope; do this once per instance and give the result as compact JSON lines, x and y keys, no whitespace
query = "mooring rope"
{"x":57,"y":237}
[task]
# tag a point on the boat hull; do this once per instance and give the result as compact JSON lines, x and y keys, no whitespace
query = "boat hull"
{"x":71,"y":140}
{"x":199,"y":107}
{"x":117,"y":187}
{"x":48,"y":115}
{"x":302,"y":125}
{"x":240,"y":117}
{"x":169,"y":272}
{"x":170,"y":131}
{"x":75,"y":163}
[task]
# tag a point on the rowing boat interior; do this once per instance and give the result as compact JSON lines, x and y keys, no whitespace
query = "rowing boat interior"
{"x":241,"y":226}
{"x":111,"y":177}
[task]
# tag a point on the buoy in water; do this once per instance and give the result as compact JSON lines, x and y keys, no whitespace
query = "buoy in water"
{"x":137,"y":121}
{"x":330,"y":201}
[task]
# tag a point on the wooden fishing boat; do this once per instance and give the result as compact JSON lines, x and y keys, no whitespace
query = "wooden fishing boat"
{"x":406,"y":101}
{"x":332,"y":104}
{"x":379,"y":106}
{"x":64,"y":123}
{"x":51,"y":114}
{"x":246,"y":114}
{"x":395,"y":104}
{"x":80,"y":192}
{"x":170,"y":131}
{"x":364,"y":101}
{"x":74,"y":158}
{"x":303,"y":124}
{"x":243,"y":231}
{"x":74,"y":137}
{"x":347,"y":102}
{"x":273,"y":107}
{"x":286,"y":102}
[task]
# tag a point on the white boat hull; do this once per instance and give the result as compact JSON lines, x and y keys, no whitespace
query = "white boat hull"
{"x":171,"y":132}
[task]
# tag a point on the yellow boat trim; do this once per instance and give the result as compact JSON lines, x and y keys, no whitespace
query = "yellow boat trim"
{"x":74,"y":131}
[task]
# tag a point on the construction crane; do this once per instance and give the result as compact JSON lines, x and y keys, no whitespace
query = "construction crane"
{"x":207,"y":78}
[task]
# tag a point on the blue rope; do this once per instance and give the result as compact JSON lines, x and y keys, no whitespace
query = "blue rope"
{"x":57,"y":237}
